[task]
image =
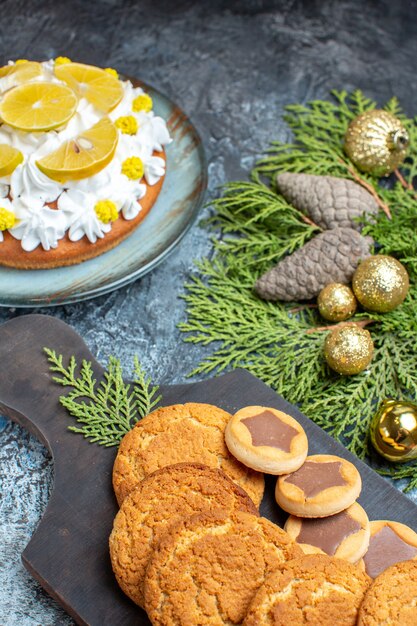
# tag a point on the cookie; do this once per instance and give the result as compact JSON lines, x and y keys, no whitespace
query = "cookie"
{"x":344,"y":535}
{"x":207,"y":568}
{"x":324,"y":485}
{"x":182,"y":433}
{"x":392,"y":597}
{"x":164,"y":497}
{"x":267,"y":440}
{"x":390,"y":543}
{"x":317,"y":590}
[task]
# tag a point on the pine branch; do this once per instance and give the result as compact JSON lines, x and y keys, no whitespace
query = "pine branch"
{"x":108,"y":410}
{"x":257,"y":228}
{"x":145,"y":395}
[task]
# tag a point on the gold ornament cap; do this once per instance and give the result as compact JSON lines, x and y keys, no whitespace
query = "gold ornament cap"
{"x":348,"y":349}
{"x":336,"y":302}
{"x":376,"y":142}
{"x":380,"y":283}
{"x":393,"y":431}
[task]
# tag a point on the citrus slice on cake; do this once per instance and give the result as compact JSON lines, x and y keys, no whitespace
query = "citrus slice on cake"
{"x":9,"y":159}
{"x":39,"y":106}
{"x":99,"y":87}
{"x":21,"y":72}
{"x":84,"y":155}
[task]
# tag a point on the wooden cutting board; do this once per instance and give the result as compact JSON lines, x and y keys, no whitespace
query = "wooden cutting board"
{"x":68,"y":554}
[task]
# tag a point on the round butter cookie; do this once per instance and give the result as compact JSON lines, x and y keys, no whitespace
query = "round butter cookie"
{"x":317,"y":590}
{"x":207,"y":568}
{"x":182,"y":433}
{"x":392,"y":597}
{"x":164,"y":497}
{"x":344,"y":535}
{"x":324,"y":485}
{"x":390,"y":543}
{"x":266,"y":440}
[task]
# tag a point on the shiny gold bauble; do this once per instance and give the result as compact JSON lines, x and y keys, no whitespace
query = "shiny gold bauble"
{"x":376,"y":142}
{"x":348,"y":349}
{"x":380,"y":283}
{"x":336,"y":302}
{"x":393,"y":431}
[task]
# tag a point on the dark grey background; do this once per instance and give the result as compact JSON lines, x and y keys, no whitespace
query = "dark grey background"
{"x":232,"y":66}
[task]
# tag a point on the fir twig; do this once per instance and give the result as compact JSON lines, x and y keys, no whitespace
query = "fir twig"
{"x":107,"y":410}
{"x":278,"y":342}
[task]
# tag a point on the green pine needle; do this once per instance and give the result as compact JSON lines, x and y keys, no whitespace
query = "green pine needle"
{"x":253,"y":228}
{"x":107,"y":410}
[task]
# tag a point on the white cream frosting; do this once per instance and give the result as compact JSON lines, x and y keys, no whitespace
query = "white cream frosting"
{"x":37,"y":225}
{"x":30,"y":189}
{"x":78,"y":208}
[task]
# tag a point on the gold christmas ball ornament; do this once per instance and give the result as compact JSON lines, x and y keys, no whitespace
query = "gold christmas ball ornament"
{"x":380,"y":283}
{"x":348,"y":349}
{"x":393,"y":431}
{"x":376,"y":142}
{"x":336,"y":302}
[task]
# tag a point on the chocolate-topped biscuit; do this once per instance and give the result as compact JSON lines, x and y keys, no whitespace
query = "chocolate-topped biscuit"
{"x":344,"y":535}
{"x":390,"y":543}
{"x":322,"y":486}
{"x":266,"y":439}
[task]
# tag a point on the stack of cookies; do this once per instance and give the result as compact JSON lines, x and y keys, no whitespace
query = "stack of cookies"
{"x":318,"y":491}
{"x":324,"y":515}
{"x":189,"y":546}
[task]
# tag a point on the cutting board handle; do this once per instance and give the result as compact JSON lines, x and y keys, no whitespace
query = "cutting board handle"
{"x":27,"y":393}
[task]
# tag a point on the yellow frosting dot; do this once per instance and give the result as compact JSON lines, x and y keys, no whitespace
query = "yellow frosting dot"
{"x":133,"y":168}
{"x":112,"y":72}
{"x":21,"y":61}
{"x":7,"y":219}
{"x":142,"y":103}
{"x":62,"y":60}
{"x":106,"y":211}
{"x":127,"y":124}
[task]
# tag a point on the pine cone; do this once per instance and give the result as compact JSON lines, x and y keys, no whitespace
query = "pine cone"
{"x":329,"y":201}
{"x":329,"y":257}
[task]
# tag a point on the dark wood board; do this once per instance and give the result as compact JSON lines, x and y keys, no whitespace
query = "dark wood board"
{"x":68,"y":554}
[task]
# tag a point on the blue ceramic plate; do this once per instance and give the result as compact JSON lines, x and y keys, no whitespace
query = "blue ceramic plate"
{"x":169,"y":219}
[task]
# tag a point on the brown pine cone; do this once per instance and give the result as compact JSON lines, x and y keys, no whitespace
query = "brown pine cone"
{"x":331,"y":257}
{"x":329,"y":201}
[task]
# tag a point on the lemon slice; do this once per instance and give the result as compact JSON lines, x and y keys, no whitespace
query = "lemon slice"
{"x":100,"y":88}
{"x":9,"y":159}
{"x":19,"y":73}
{"x":35,"y":107}
{"x":23,"y":72}
{"x":82,"y":156}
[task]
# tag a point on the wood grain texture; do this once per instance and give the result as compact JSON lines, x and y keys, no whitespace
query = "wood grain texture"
{"x":68,"y":553}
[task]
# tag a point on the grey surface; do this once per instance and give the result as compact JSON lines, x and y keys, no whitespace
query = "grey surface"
{"x":232,"y":66}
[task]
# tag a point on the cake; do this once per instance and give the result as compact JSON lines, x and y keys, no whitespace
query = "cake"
{"x":82,"y":161}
